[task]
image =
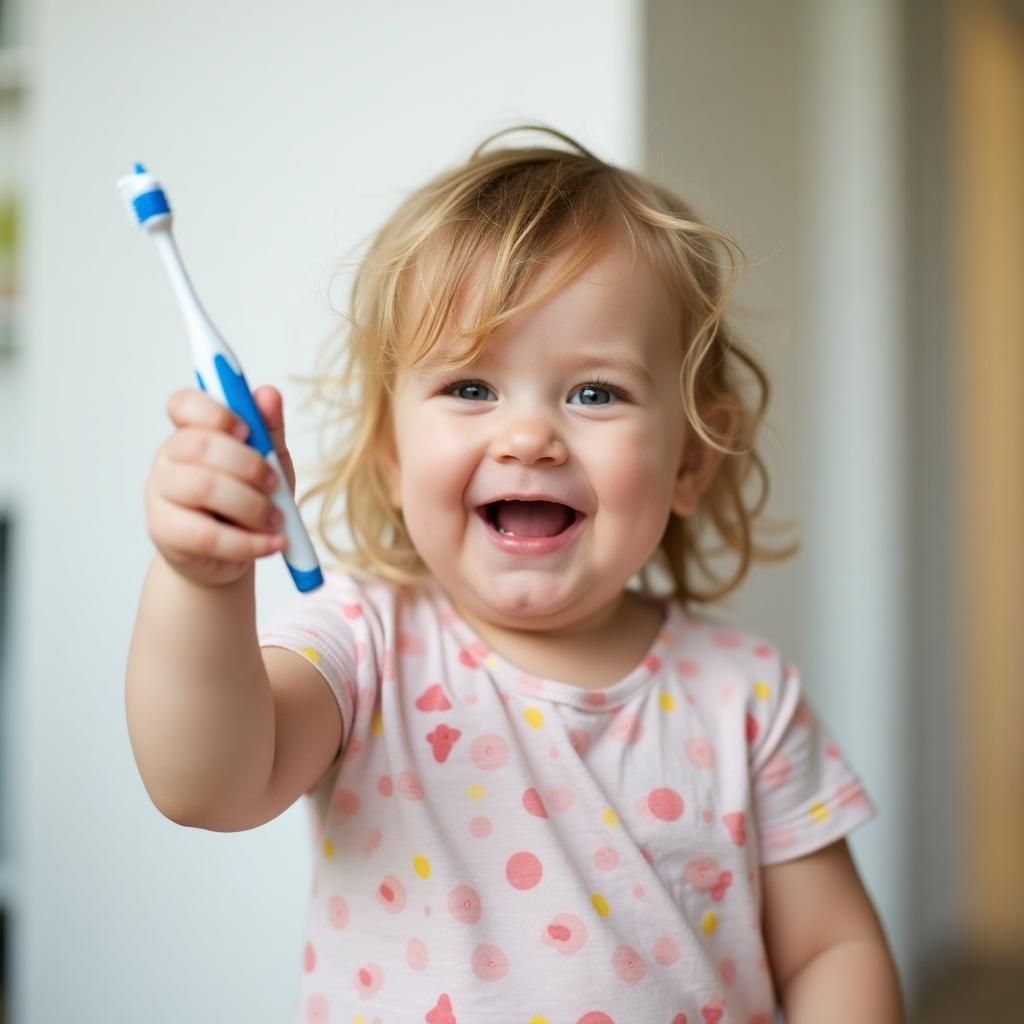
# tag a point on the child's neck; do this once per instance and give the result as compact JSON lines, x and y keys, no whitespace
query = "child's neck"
{"x":593,"y":657}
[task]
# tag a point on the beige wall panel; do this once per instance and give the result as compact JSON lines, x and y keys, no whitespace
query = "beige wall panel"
{"x":988,"y":144}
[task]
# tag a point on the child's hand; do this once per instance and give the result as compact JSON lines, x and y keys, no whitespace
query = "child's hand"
{"x":208,"y":509}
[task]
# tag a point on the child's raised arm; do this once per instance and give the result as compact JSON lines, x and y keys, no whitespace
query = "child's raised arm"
{"x":225,"y":737}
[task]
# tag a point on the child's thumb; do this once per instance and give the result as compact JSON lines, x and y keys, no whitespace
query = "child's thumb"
{"x":271,"y":406}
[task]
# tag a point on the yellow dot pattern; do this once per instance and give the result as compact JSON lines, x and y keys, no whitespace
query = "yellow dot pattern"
{"x":610,"y":818}
{"x":421,"y":866}
{"x":709,"y":922}
{"x":311,"y":654}
{"x":762,"y":690}
{"x":476,"y":792}
{"x":358,"y":1019}
{"x":533,"y":717}
{"x":819,"y":812}
{"x":377,"y":724}
{"x":328,"y":848}
{"x":667,"y":702}
{"x":490,"y":661}
{"x":600,"y":904}
{"x":538,"y":1020}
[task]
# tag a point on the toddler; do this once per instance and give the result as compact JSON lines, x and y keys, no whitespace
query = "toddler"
{"x":547,"y":786}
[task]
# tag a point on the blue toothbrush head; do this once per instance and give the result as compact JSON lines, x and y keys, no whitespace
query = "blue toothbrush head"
{"x":144,"y":198}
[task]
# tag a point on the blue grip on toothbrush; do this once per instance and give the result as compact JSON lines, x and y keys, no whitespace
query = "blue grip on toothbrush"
{"x":239,"y":400}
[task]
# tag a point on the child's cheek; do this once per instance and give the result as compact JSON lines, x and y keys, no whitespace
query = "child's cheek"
{"x":436,"y":469}
{"x":637,"y":461}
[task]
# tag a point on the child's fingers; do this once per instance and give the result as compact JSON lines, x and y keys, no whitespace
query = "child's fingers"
{"x":192,"y":407}
{"x":201,"y":488}
{"x":189,"y":534}
{"x":207,"y":497}
{"x":218,"y":452}
{"x":271,"y":406}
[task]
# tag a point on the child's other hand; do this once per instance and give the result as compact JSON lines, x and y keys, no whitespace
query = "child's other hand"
{"x":208,"y":509}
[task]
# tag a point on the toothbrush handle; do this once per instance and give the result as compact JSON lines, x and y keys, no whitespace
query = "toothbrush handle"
{"x":229,"y":387}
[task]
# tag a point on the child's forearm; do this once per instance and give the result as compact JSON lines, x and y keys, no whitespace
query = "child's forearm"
{"x":851,"y":982}
{"x":199,"y":704}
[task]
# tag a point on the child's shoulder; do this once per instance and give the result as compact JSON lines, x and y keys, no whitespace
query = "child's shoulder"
{"x":715,"y":638}
{"x":344,"y":582}
{"x":369,"y":600}
{"x":372,"y":591}
{"x":737,"y":679}
{"x":714,"y":652}
{"x":351,"y":614}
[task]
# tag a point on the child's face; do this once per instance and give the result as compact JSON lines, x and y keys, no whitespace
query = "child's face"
{"x":530,"y":426}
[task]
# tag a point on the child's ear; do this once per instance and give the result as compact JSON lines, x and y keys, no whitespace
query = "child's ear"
{"x":700,"y":462}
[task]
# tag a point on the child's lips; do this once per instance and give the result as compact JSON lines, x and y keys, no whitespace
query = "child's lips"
{"x":516,"y":545}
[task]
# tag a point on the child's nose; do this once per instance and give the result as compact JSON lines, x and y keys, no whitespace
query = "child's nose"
{"x":529,"y":440}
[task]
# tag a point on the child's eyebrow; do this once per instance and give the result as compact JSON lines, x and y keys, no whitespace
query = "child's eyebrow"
{"x":578,"y":358}
{"x":610,"y":360}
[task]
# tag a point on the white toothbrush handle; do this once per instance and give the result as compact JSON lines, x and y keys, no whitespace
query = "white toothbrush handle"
{"x":220,"y":375}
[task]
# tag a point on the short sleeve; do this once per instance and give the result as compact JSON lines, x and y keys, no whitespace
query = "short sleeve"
{"x":314,"y":626}
{"x":804,"y":794}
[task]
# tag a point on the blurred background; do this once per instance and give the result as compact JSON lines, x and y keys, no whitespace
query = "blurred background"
{"x":868,"y":155}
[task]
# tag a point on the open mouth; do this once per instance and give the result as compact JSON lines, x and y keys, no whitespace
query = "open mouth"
{"x":529,"y":518}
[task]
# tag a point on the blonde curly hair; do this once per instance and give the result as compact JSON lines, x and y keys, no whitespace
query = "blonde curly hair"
{"x":520,"y":209}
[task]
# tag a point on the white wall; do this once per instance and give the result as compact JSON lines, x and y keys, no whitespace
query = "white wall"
{"x":723,"y":130}
{"x":857,"y":421}
{"x":284,"y":134}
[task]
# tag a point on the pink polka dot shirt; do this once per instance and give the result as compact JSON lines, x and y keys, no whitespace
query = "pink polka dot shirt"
{"x":497,"y":848}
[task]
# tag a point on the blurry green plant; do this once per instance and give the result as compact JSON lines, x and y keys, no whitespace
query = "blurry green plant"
{"x":8,"y":244}
{"x":8,"y":271}
{"x":8,"y":228}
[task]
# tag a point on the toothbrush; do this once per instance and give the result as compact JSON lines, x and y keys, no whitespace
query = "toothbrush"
{"x":217,"y":368}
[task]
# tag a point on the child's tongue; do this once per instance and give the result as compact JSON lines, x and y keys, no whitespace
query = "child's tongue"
{"x":533,"y":518}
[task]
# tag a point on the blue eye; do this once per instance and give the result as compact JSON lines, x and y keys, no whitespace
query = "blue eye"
{"x":470,"y":390}
{"x":591,"y":394}
{"x":595,"y":393}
